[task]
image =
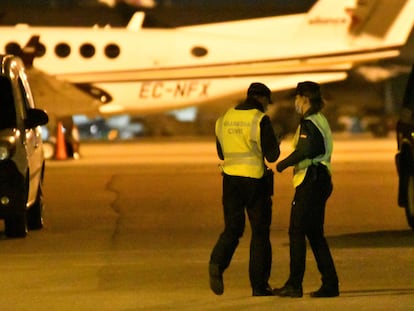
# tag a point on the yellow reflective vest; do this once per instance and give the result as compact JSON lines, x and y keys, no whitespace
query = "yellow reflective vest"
{"x":238,"y":132}
{"x":300,"y":168}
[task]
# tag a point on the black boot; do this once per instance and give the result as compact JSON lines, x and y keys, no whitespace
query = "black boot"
{"x":289,"y":291}
{"x":216,"y":279}
{"x":268,"y":291}
{"x":326,"y":291}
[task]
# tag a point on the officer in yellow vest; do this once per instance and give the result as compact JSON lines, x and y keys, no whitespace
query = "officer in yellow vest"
{"x":245,"y":138}
{"x":311,"y":160}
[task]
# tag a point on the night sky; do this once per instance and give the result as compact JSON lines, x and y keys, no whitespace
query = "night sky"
{"x":168,"y":13}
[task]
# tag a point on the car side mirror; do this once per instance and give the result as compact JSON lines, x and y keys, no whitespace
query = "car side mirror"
{"x":36,"y":117}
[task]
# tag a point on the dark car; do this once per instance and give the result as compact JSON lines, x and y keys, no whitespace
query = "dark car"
{"x":22,"y":164}
{"x":405,"y":156}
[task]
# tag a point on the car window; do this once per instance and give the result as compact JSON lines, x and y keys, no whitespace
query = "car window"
{"x":409,"y":92}
{"x":7,"y":109}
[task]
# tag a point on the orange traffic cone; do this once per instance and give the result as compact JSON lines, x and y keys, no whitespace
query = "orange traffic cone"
{"x":60,"y":148}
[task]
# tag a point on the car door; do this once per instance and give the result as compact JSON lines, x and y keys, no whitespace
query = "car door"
{"x":33,"y":140}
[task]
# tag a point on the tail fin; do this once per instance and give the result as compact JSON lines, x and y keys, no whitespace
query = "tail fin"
{"x":381,"y":22}
{"x":136,"y":21}
{"x":332,"y":24}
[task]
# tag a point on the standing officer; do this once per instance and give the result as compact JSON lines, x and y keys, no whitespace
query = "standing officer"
{"x":312,"y":181}
{"x":245,"y":138}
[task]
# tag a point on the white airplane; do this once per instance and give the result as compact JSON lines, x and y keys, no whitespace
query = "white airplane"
{"x":139,"y":71}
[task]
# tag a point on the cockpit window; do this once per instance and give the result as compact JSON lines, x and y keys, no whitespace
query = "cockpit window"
{"x":7,"y":109}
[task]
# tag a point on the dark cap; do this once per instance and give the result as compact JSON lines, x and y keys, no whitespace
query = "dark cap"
{"x":259,"y":89}
{"x":312,"y":91}
{"x":309,"y":89}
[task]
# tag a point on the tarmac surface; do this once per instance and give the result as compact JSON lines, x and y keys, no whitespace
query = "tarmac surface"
{"x":130,"y":226}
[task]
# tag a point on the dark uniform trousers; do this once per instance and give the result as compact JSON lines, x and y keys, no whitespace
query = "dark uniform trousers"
{"x":252,"y":195}
{"x":307,"y":220}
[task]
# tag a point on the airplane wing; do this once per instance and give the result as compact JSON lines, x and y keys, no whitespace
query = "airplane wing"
{"x":60,"y":98}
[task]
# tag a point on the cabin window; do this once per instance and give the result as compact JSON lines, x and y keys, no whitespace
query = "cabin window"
{"x":87,"y":50}
{"x":13,"y":48}
{"x":112,"y":50}
{"x":62,"y":50}
{"x":40,"y":50}
{"x":199,"y":51}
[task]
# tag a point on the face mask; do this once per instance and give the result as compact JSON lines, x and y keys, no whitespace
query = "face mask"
{"x":298,"y":105}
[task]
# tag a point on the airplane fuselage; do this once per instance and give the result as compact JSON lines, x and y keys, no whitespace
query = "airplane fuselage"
{"x":156,"y":69}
